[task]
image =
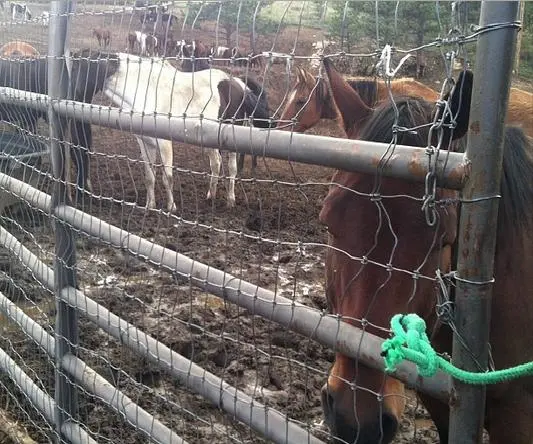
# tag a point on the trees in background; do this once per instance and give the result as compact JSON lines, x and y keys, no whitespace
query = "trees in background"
{"x":399,"y":23}
{"x":233,"y":16}
{"x":525,"y":64}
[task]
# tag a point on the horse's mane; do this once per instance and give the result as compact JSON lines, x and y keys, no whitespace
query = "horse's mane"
{"x":517,"y":183}
{"x":367,"y":90}
{"x":90,"y":69}
{"x":258,"y":101}
{"x":412,"y":112}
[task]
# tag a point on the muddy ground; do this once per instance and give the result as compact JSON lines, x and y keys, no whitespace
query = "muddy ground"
{"x":272,"y":239}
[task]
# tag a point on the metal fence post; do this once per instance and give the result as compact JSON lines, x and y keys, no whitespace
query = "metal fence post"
{"x":66,"y":327}
{"x":478,"y":225}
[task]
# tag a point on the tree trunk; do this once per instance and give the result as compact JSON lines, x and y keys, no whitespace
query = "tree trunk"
{"x":519,"y":37}
{"x":252,"y":39}
{"x":229,"y":30}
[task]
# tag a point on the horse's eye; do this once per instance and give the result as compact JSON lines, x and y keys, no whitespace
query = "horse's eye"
{"x":301,"y":102}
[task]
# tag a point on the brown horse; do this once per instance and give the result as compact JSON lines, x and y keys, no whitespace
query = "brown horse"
{"x":310,"y":100}
{"x":520,"y":110}
{"x":364,"y":405}
{"x":166,"y":45}
{"x":18,"y":49}
{"x":103,"y":36}
{"x":131,"y":41}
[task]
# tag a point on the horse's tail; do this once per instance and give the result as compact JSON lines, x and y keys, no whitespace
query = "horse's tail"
{"x":516,"y":186}
{"x":256,"y":104}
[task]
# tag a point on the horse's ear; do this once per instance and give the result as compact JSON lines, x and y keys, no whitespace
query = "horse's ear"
{"x":460,"y":100}
{"x":352,"y":108}
{"x":299,"y":75}
{"x":309,"y":78}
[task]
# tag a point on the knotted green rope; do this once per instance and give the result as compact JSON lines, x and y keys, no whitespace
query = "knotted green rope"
{"x":410,"y":330}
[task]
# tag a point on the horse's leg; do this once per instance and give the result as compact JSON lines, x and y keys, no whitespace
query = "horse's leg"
{"x":149,"y":157}
{"x":232,"y":170}
{"x":254,"y":164}
{"x":165,"y":150}
{"x":240,"y":163}
{"x":215,"y":162}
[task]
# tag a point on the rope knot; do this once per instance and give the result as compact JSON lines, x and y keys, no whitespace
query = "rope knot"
{"x":410,"y":341}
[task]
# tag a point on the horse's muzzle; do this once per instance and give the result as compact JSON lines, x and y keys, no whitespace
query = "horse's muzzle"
{"x":381,"y":430}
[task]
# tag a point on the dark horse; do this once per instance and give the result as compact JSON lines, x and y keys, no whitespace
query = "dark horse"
{"x":261,"y":114}
{"x":364,"y":405}
{"x":31,"y":74}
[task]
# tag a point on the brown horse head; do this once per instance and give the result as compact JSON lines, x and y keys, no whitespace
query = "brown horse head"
{"x":381,"y":261}
{"x":307,"y":103}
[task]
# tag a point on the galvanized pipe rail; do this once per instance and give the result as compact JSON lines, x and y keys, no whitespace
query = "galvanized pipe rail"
{"x":267,"y":421}
{"x":325,"y":329}
{"x":409,"y":163}
{"x":41,"y":400}
{"x":89,"y":379}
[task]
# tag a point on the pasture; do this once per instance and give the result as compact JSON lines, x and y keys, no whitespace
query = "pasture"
{"x":273,"y":238}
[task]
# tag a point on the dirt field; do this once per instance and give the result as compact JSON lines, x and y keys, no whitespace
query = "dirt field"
{"x":272,"y":238}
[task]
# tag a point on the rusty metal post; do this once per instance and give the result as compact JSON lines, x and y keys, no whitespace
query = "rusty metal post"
{"x":478,"y":225}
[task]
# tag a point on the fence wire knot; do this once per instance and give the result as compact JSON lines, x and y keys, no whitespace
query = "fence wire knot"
{"x":410,"y":341}
{"x":384,"y":64}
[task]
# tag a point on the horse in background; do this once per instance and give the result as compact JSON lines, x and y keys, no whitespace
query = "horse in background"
{"x":365,"y":405}
{"x":154,"y":85}
{"x":165,"y":45}
{"x":20,"y":10}
{"x":220,"y":54}
{"x":310,"y":100}
{"x":31,"y":74}
{"x":103,"y":36}
{"x":194,"y":56}
{"x":18,"y":49}
{"x":43,"y":18}
{"x":258,"y":119}
{"x":223,"y":56}
{"x":131,"y":42}
{"x":256,"y":60}
{"x":146,"y":43}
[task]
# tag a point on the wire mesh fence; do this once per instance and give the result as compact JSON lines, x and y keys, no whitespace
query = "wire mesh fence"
{"x":206,"y":320}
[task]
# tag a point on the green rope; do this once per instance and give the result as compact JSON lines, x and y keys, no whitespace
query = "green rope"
{"x":410,"y":330}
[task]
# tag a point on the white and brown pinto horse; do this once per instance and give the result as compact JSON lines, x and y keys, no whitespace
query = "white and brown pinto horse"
{"x":152,"y":85}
